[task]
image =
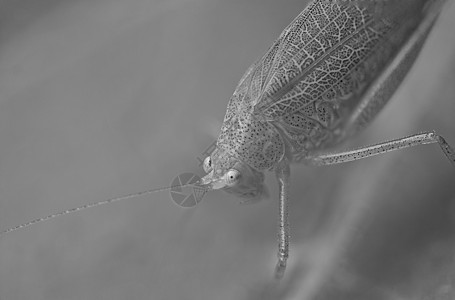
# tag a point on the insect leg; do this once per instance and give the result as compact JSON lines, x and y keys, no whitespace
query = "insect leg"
{"x":282,"y":172}
{"x":363,"y":152}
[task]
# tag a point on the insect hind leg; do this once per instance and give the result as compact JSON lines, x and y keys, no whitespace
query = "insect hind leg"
{"x":368,"y":151}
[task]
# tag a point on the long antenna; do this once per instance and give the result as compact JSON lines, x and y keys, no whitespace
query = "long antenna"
{"x":90,"y":205}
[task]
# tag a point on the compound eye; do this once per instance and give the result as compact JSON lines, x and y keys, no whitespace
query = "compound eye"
{"x":207,"y":164}
{"x":232,"y":177}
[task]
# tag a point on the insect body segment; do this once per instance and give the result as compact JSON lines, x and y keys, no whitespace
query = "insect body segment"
{"x":252,"y":140}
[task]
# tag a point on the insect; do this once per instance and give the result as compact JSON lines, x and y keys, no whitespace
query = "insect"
{"x":324,"y":79}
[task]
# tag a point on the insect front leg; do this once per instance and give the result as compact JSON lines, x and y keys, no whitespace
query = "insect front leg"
{"x":282,"y":172}
{"x":364,"y":152}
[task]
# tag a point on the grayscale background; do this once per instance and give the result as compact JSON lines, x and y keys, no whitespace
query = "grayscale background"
{"x":103,"y":98}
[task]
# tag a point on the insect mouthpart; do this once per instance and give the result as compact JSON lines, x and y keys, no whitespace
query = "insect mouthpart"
{"x":210,"y":182}
{"x":243,"y":182}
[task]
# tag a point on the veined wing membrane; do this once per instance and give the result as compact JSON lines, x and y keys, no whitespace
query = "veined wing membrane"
{"x":299,"y":64}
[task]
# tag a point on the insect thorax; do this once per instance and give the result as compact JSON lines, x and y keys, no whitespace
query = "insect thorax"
{"x":255,"y":142}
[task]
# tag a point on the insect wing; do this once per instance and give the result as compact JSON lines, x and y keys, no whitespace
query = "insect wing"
{"x":325,"y":60}
{"x":312,"y":80}
{"x":380,"y":91}
{"x":250,"y":89}
{"x":323,"y":46}
{"x":332,"y":50}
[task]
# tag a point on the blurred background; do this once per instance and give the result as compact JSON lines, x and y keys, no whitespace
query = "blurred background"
{"x":104,"y":98}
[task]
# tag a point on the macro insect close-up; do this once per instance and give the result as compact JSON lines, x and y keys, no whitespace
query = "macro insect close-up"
{"x":109,"y":98}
